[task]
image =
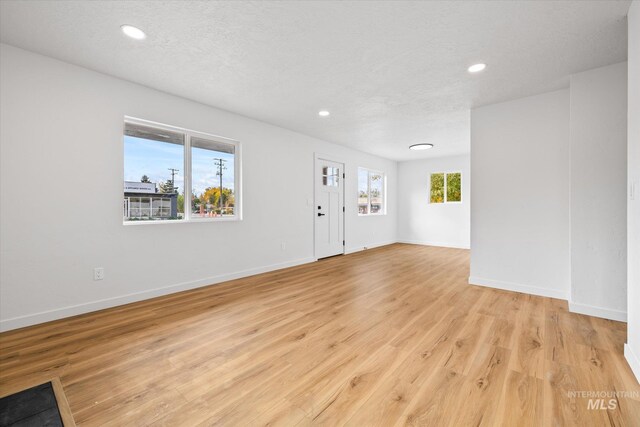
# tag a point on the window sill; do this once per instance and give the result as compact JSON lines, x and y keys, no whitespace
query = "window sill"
{"x":180,"y":221}
{"x":213,"y":219}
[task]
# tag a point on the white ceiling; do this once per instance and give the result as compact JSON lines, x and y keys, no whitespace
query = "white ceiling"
{"x":391,"y":73}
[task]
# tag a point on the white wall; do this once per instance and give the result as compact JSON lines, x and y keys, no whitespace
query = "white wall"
{"x":520,"y":195}
{"x":437,"y":224}
{"x":61,"y":195}
{"x":598,"y":126}
{"x":632,"y":349}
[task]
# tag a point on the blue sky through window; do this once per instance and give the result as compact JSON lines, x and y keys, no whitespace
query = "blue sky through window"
{"x":203,"y":170}
{"x":363,"y":178}
{"x":154,"y":158}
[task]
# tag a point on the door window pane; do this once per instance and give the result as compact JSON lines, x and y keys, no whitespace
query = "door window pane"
{"x":330,"y":176}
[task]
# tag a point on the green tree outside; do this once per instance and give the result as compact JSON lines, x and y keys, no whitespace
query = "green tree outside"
{"x":181,"y":203}
{"x":211,"y":198}
{"x":449,"y":183}
{"x":454,"y":190}
{"x":437,"y":188}
{"x":167,"y":187}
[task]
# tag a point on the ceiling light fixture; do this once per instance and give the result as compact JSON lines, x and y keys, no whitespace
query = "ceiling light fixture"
{"x":476,"y":68}
{"x":323,"y":113}
{"x":422,"y":146}
{"x":133,"y":32}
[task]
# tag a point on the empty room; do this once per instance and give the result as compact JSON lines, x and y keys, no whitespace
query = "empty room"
{"x":319,"y":213}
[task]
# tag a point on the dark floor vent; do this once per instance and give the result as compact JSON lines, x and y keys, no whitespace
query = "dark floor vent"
{"x":33,"y":407}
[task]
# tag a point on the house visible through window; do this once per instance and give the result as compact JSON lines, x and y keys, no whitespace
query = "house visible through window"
{"x":161,"y":162}
{"x":445,"y":187}
{"x":371,"y":188}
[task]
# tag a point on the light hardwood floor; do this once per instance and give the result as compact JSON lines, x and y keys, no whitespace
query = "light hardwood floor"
{"x":389,"y":336}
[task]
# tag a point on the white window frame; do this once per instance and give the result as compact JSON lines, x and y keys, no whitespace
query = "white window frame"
{"x":188,"y":133}
{"x":383,"y":211}
{"x":445,"y":188}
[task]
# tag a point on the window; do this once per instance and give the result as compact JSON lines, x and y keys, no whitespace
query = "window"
{"x":446,"y":187}
{"x":371,"y":192}
{"x":161,"y":162}
{"x":213,"y":182}
{"x":330,"y":176}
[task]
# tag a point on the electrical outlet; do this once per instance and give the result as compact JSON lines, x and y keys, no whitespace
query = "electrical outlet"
{"x":98,"y":273}
{"x":283,"y":246}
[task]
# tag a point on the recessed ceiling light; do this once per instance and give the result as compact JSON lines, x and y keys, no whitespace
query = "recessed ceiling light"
{"x":476,"y":68}
{"x":133,"y":32}
{"x":323,"y":113}
{"x":420,"y":146}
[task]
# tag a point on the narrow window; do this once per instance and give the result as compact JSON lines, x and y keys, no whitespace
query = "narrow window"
{"x":454,"y":191}
{"x":371,"y":192}
{"x":363,"y":192}
{"x":213,"y":182}
{"x":153,"y":173}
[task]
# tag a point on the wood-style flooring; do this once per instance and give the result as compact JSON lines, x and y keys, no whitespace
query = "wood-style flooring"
{"x":389,"y":336}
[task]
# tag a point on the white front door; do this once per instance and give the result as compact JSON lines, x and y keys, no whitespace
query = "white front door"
{"x":329,"y":208}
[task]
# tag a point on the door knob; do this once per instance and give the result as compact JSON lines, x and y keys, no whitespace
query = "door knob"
{"x":320,"y":214}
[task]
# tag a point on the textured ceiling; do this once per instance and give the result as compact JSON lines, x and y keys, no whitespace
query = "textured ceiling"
{"x":391,"y":73}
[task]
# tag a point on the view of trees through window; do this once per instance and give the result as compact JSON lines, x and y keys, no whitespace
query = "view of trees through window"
{"x":154,"y":178}
{"x":454,"y":191}
{"x":370,"y":192}
{"x":445,"y":187}
{"x":437,"y":188}
{"x":212,"y":169}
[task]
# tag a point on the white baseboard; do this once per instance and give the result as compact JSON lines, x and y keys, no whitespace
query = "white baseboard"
{"x":364,"y":248}
{"x":433,"y":243}
{"x":47,"y":316}
{"x":633,"y":360}
{"x":516,"y":287}
{"x":605,"y":313}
